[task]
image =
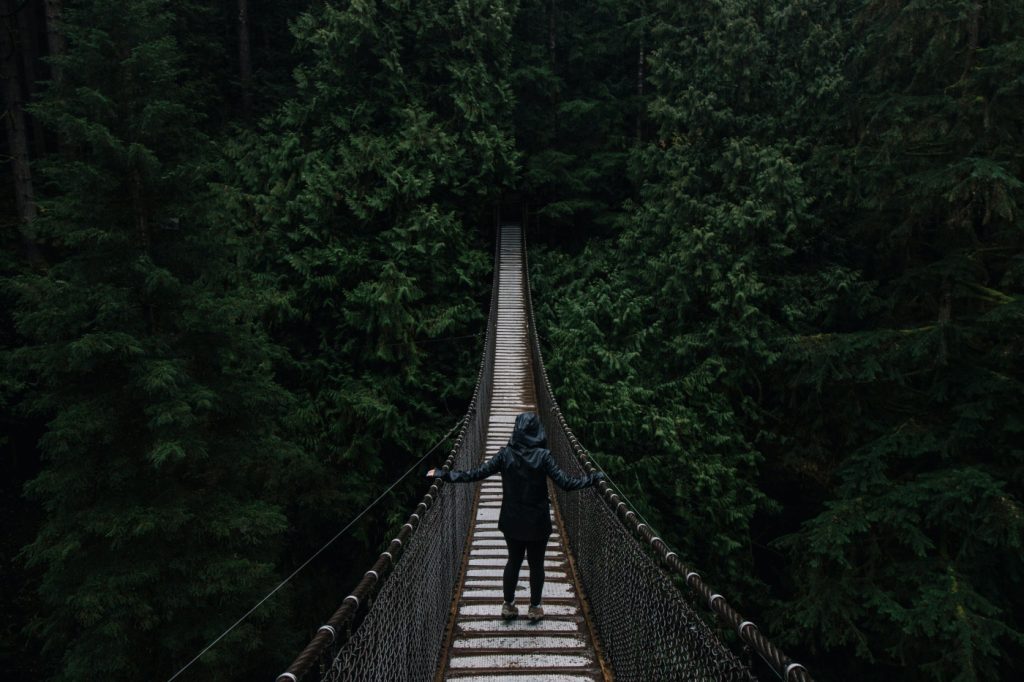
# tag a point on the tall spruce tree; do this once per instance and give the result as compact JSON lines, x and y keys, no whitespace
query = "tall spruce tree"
{"x":915,"y":561}
{"x":824,"y":263}
{"x":710,"y":269}
{"x":576,"y":77}
{"x":163,"y":468}
{"x":367,"y":195}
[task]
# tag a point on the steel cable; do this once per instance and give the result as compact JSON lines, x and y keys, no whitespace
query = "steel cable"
{"x":322,"y":549}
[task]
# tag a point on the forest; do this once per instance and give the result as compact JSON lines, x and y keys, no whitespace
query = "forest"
{"x":777,"y":251}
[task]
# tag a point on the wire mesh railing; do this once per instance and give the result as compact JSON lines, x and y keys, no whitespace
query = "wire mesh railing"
{"x":405,"y":598}
{"x":648,"y":630}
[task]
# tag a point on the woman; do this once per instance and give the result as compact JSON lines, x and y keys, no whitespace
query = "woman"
{"x":525,"y":464}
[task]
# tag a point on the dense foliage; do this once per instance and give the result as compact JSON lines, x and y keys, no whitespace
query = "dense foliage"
{"x":364,"y":199}
{"x":240,"y":329}
{"x":811,"y":321}
{"x":162,"y":474}
{"x":778,"y":271}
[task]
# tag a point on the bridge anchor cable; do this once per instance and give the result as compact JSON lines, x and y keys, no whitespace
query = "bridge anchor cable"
{"x":323,"y":548}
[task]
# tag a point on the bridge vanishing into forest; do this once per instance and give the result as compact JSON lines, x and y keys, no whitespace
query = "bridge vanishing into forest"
{"x":619,"y":605}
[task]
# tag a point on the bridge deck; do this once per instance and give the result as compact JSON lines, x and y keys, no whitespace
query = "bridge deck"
{"x":560,"y":647}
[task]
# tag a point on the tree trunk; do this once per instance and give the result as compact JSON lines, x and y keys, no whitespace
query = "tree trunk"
{"x":17,"y":134}
{"x":944,"y":317}
{"x":144,"y":238}
{"x":28,"y":45}
{"x":139,"y":211}
{"x":54,"y":37}
{"x":973,"y":28}
{"x":640,"y":90}
{"x":551,"y":33}
{"x":552,"y":47}
{"x":244,"y":57}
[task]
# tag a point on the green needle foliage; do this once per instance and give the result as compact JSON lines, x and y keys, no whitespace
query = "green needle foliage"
{"x":357,"y":194}
{"x":814,"y":308}
{"x":161,"y":488}
{"x":778,"y":274}
{"x":367,"y":200}
{"x":915,"y":559}
{"x":577,"y":109}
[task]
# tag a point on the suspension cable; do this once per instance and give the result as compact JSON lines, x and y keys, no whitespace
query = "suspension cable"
{"x":618,"y":487}
{"x":323,"y":547}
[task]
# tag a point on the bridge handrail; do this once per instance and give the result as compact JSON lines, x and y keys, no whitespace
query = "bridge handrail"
{"x":748,"y":632}
{"x":329,"y":635}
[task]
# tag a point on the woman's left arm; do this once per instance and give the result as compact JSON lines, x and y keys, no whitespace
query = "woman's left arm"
{"x":564,"y":480}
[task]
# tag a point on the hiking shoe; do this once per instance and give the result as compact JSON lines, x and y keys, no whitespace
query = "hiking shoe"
{"x":535,"y":613}
{"x":509,"y":611}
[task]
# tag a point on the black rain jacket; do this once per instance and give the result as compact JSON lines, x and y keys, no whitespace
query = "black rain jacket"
{"x":525,"y":465}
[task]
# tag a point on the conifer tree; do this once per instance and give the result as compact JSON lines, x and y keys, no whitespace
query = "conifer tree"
{"x":915,"y":561}
{"x":707,"y":271}
{"x":366,"y":195}
{"x":575,"y":79}
{"x":824,"y":265}
{"x":163,"y":466}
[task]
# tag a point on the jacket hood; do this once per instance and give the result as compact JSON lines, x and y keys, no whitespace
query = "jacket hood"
{"x":528,"y":433}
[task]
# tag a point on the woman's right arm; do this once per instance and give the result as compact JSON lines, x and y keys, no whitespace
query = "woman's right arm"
{"x":483,"y":471}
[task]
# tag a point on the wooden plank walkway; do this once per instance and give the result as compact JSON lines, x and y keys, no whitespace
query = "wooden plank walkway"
{"x":560,"y":647}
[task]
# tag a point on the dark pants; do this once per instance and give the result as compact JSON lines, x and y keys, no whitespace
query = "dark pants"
{"x":534,"y":552}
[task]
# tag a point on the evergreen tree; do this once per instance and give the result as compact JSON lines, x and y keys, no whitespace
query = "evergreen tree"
{"x":576,"y":77}
{"x":709,"y":270}
{"x":823,"y":272}
{"x":163,"y":467}
{"x":366,"y":195}
{"x":787,"y":316}
{"x":915,"y":561}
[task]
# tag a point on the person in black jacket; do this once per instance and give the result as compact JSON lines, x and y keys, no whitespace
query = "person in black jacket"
{"x":525,"y":465}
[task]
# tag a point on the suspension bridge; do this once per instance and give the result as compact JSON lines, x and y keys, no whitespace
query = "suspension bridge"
{"x":619,"y":605}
